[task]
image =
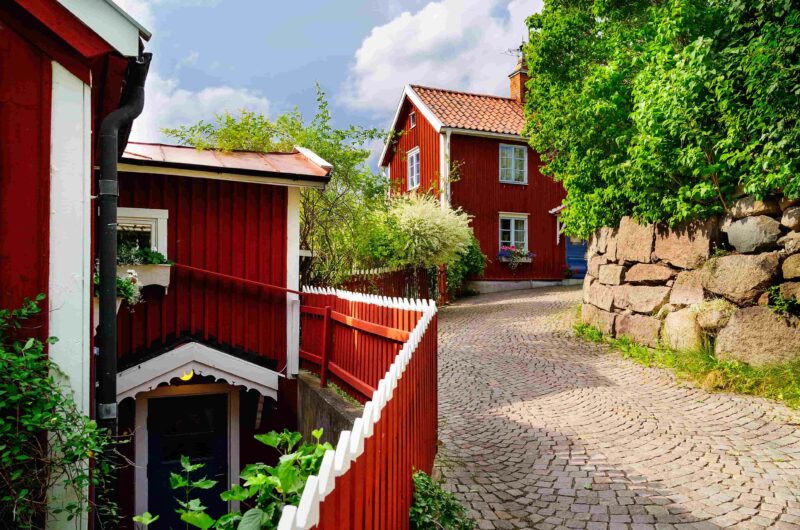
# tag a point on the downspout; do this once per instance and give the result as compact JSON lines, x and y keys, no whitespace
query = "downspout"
{"x":131,"y":105}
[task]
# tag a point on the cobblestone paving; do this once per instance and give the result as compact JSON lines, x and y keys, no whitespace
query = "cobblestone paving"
{"x":542,"y":430}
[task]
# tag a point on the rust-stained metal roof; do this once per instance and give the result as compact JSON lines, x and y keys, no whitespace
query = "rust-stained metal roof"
{"x":301,"y":164}
{"x":478,"y":112}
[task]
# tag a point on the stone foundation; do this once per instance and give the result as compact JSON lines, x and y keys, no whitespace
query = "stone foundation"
{"x":700,"y":284}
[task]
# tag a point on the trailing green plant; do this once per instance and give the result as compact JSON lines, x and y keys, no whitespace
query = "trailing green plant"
{"x":45,"y":441}
{"x":780,"y":382}
{"x":434,"y":508}
{"x":264,"y":491}
{"x":128,"y":288}
{"x":661,"y":109}
{"x":471,"y":262}
{"x":130,"y":253}
{"x":782,"y":305}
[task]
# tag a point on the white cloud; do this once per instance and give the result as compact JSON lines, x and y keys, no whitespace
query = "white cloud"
{"x":455,"y":44}
{"x":168,"y":105}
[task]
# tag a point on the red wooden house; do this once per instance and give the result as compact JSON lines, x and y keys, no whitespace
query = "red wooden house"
{"x":208,"y":360}
{"x":467,"y":149}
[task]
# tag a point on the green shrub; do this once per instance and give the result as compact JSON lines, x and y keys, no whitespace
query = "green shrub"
{"x":433,"y":507}
{"x":45,"y":441}
{"x":470,"y":263}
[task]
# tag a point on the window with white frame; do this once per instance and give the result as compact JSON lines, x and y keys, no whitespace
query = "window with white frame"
{"x":144,"y":227}
{"x":412,"y":120}
{"x":514,"y":231}
{"x":513,"y":164}
{"x":413,"y":168}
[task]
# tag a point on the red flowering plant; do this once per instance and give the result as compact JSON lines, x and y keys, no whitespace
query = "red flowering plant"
{"x":514,"y":256}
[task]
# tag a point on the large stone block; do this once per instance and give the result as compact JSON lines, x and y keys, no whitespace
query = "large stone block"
{"x":634,"y":241}
{"x":791,"y":218}
{"x":649,"y":273}
{"x":790,"y":242}
{"x":790,"y":290}
{"x":759,"y":337}
{"x":642,"y":329}
{"x":713,"y":315}
{"x":611,"y":274}
{"x":687,"y":245}
{"x":601,"y":296}
{"x":791,"y":267}
{"x":611,"y":243}
{"x":681,"y":331}
{"x":741,"y":278}
{"x":594,"y":264}
{"x":754,"y":234}
{"x":602,"y":320}
{"x":785,"y":203}
{"x":687,"y":289}
{"x":748,"y":206}
{"x":640,"y":298}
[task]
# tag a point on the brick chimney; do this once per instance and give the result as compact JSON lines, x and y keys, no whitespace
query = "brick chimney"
{"x":517,"y":79}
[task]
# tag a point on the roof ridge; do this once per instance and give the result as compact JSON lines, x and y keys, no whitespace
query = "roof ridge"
{"x":463,"y":92}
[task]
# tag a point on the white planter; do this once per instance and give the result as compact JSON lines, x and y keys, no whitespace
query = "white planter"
{"x":147,"y":274}
{"x":96,"y":310}
{"x":520,"y":260}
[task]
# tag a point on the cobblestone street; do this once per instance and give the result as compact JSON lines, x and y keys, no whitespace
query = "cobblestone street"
{"x":540,"y":429}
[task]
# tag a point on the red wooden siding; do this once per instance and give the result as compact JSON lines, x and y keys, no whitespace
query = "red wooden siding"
{"x":426,"y":138}
{"x":233,"y":228}
{"x":480,"y":193}
{"x":25,"y":106}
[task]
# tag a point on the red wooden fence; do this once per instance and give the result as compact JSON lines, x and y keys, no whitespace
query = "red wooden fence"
{"x":384,"y":349}
{"x":404,"y":283}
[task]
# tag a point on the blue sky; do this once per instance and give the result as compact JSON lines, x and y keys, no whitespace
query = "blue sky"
{"x":216,"y":55}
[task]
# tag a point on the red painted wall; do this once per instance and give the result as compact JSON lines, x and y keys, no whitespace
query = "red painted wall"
{"x":426,"y":138}
{"x":480,"y":193}
{"x":229,"y":227}
{"x":25,"y":94}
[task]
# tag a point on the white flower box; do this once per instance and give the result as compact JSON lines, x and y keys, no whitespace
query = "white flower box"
{"x":147,"y":274}
{"x":520,"y":260}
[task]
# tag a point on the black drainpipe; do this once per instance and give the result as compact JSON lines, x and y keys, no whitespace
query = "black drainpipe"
{"x":118,"y":121}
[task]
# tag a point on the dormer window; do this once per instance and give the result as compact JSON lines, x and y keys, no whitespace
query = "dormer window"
{"x":412,"y":120}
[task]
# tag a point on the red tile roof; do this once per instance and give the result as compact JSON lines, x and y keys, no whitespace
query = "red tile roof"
{"x":302,"y":164}
{"x":473,"y":111}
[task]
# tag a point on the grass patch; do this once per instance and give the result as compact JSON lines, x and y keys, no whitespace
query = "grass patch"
{"x":780,"y":382}
{"x":344,"y":395}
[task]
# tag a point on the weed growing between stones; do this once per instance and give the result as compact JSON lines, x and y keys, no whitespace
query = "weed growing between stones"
{"x":779,"y":382}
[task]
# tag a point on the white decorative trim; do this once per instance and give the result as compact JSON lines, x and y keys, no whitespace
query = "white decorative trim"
{"x":486,"y":134}
{"x":444,"y":170}
{"x":69,"y":301}
{"x":293,"y":282}
{"x":219,"y":175}
{"x":203,"y":360}
{"x":409,"y":93}
{"x":111,"y":23}
{"x":517,"y":215}
{"x":156,"y":218}
{"x":512,"y":216}
{"x":314,"y":157}
{"x":141,"y":435}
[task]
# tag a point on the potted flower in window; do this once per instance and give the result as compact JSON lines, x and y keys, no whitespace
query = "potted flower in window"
{"x":150,"y":266}
{"x":129,"y":290}
{"x":513,"y":256}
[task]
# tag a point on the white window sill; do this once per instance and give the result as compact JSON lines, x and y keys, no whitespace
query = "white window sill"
{"x":520,"y":260}
{"x":148,"y":274}
{"x":514,"y":183}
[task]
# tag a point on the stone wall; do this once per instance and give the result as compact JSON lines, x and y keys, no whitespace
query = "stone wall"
{"x":322,"y":408}
{"x":702,"y":283}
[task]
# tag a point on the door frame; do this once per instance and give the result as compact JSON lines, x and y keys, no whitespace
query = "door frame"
{"x":141,"y":435}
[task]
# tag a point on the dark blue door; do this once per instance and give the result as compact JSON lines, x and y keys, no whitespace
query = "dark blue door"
{"x":193,"y":426}
{"x":576,"y":257}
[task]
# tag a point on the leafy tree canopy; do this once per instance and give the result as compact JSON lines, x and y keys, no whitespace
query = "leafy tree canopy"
{"x":664,"y":109}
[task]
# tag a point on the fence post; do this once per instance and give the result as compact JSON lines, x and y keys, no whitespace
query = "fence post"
{"x":326,"y":347}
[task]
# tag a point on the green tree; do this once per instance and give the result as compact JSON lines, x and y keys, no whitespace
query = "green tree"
{"x":331,"y":220}
{"x":661,"y":109}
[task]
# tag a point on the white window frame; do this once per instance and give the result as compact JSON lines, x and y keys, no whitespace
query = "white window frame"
{"x":412,"y":120}
{"x":512,"y":217}
{"x":154,"y":218}
{"x":409,"y":176}
{"x":513,"y":164}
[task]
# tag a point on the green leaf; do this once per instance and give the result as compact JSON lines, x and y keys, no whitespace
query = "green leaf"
{"x":236,"y":493}
{"x":146,"y":518}
{"x":271,"y":439}
{"x":204,"y":484}
{"x":251,"y":520}
{"x":198,"y":519}
{"x":177,"y":481}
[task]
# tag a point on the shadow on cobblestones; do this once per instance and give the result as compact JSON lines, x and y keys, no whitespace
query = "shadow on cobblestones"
{"x":542,"y":430}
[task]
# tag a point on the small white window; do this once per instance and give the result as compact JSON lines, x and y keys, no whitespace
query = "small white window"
{"x":514,"y":231}
{"x":412,"y":120}
{"x":413,"y":169}
{"x":513,"y":164}
{"x":146,"y":227}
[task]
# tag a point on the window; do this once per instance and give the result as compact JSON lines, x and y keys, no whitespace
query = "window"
{"x":144,"y":226}
{"x":513,"y":164}
{"x":412,"y":120}
{"x":413,"y":168}
{"x":514,"y":231}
